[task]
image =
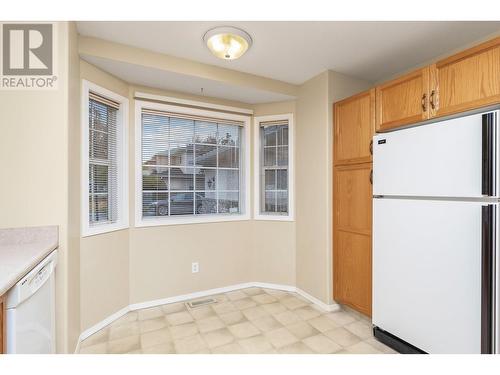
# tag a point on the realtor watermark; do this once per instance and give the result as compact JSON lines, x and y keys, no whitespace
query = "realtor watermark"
{"x":28,"y":56}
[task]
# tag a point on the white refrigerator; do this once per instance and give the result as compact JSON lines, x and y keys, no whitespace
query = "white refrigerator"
{"x":436,"y":215}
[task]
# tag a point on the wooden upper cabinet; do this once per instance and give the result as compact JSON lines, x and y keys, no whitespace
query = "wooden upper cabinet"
{"x":354,"y":125}
{"x":403,"y":101}
{"x":467,"y":80}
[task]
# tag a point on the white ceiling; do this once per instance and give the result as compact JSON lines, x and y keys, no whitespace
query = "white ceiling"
{"x":296,"y":51}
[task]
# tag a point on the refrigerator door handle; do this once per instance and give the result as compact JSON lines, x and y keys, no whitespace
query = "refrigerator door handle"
{"x":487,"y":306}
{"x":488,"y":148}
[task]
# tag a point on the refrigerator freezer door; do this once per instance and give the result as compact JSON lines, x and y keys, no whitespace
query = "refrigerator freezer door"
{"x":442,"y":159}
{"x":427,"y":273}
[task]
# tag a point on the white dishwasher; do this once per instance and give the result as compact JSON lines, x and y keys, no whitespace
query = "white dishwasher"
{"x":31,"y":311}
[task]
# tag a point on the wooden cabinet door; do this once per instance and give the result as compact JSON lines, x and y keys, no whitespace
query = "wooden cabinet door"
{"x":352,"y":257}
{"x":2,"y":325}
{"x":403,"y":101}
{"x":354,"y":125}
{"x":467,"y":80}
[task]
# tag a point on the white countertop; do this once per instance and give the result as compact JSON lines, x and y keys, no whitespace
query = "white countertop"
{"x":21,"y":249}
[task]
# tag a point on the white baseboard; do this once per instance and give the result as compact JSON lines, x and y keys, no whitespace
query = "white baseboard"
{"x":185,"y":297}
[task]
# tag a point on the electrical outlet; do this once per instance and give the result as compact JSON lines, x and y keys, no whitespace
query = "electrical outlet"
{"x":195,"y":267}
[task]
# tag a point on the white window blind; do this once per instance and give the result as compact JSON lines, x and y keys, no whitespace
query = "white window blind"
{"x":191,"y":165}
{"x":103,"y":164}
{"x":274,"y":167}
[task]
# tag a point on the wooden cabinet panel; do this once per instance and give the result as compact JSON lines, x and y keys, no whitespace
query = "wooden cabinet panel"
{"x":353,"y":271}
{"x":2,"y":324}
{"x":353,"y":198}
{"x":403,"y":100}
{"x":352,"y":257}
{"x":354,"y":125}
{"x":467,"y":80}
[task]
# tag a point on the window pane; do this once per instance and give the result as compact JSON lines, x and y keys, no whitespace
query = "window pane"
{"x":181,"y":130}
{"x":205,"y":132}
{"x":270,"y":179}
{"x":98,"y":204}
{"x":206,"y":203}
{"x":282,"y":202}
{"x":229,"y":179}
{"x":206,"y":156}
{"x":181,"y":154}
{"x":229,"y":157}
{"x":269,"y":135}
{"x":99,"y":116}
{"x":229,"y":203}
{"x":229,"y":135}
{"x":269,"y":156}
{"x":283,"y":135}
{"x":181,"y":203}
{"x":282,"y":179}
{"x":270,"y":201}
{"x":181,"y":178}
{"x":98,"y":178}
{"x":154,"y":178}
{"x":98,"y":145}
{"x":283,"y":155}
{"x":154,"y":204}
{"x":205,"y":179}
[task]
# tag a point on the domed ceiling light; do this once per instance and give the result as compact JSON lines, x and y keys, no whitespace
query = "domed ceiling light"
{"x":227,"y":43}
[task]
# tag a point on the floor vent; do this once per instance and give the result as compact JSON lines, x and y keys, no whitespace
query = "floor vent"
{"x":200,"y":302}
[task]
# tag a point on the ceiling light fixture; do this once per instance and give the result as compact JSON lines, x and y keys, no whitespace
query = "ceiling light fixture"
{"x":226,"y":42}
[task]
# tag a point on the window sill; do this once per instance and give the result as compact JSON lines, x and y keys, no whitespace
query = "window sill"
{"x":102,"y":229}
{"x":153,"y":222}
{"x":260,"y":217}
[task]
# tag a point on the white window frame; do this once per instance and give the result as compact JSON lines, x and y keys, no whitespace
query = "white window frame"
{"x":122,"y":221}
{"x":291,"y":168}
{"x":192,"y":219}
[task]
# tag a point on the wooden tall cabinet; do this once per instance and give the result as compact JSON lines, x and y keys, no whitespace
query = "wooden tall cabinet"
{"x":354,"y":125}
{"x":2,"y":324}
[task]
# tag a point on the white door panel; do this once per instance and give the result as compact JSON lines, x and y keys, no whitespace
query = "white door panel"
{"x":441,"y":159}
{"x":427,"y":273}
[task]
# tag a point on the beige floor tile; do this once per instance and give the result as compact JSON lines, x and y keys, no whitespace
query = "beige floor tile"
{"x":101,"y":348}
{"x":123,"y":330}
{"x":233,"y":317}
{"x":342,"y":336}
{"x":152,"y":324}
{"x":267,"y":323}
{"x":296,"y":348}
{"x":233,"y":348}
{"x":173,"y":308}
{"x":236,"y":295}
{"x":360,"y":328}
{"x":220,"y":298}
{"x":127,"y":318}
{"x":244,"y":330}
{"x":252,"y":291}
{"x":287,"y":317}
{"x":280,"y":337}
{"x":264,"y":298}
{"x":244,"y":303}
{"x":97,"y":338}
{"x":192,"y":344}
{"x":292,"y":302}
{"x":256,"y":344}
{"x":274,"y":308}
{"x":302,"y":330}
{"x":202,"y":312}
{"x":210,"y":324}
{"x":224,"y":307}
{"x":124,"y":345}
{"x":254,"y":313}
{"x":183,"y":330}
{"x":362,"y":348}
{"x":154,"y":338}
{"x":179,"y":318}
{"x":322,"y":344}
{"x":341,"y":318}
{"x":166,"y":348}
{"x":306,"y":312}
{"x":322,"y":323}
{"x":218,"y":338}
{"x":379,"y":346}
{"x":277,"y":293}
{"x":138,"y":351}
{"x":151,"y":313}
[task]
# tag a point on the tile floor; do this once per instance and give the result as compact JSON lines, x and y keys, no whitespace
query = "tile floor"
{"x":252,"y":320}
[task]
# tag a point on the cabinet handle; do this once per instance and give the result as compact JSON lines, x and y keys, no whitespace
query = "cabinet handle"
{"x":424,"y":102}
{"x":371,"y":176}
{"x":433,"y":105}
{"x":371,"y":147}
